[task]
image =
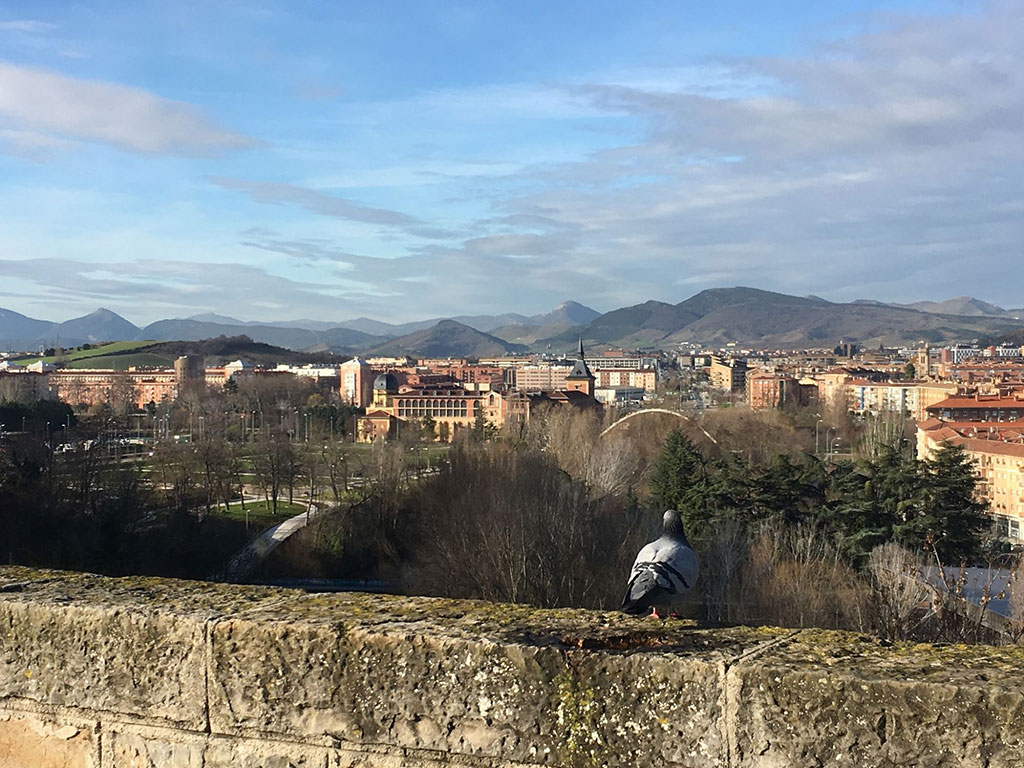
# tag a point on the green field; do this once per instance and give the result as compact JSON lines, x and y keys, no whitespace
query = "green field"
{"x":81,"y":354}
{"x":260,"y":512}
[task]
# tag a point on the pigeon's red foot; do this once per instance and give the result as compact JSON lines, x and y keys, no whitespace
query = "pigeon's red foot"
{"x":654,"y":614}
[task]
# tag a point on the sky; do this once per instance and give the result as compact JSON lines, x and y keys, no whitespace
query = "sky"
{"x":411,"y":159}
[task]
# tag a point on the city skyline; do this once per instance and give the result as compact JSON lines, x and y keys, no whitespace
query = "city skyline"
{"x":277,"y":161}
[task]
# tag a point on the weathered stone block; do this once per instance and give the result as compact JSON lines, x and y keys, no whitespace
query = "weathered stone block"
{"x":128,"y":646}
{"x":129,"y":746}
{"x":840,"y":699}
{"x":372,"y":681}
{"x":253,"y":753}
{"x":460,"y":679}
{"x":29,"y":741}
{"x":109,"y":660}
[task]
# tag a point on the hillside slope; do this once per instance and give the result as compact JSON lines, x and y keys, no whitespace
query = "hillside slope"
{"x":447,"y":338}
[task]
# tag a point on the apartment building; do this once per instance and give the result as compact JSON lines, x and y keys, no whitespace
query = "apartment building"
{"x":771,"y":390}
{"x":729,"y":375}
{"x":645,"y":379}
{"x":998,"y":459}
{"x":979,"y":408}
{"x":541,"y":378}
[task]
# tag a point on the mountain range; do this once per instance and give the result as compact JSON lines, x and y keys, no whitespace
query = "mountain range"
{"x":763,"y":319}
{"x":717,"y":316}
{"x":18,"y":332}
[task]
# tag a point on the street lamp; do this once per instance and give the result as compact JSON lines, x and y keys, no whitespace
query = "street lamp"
{"x":816,"y":436}
{"x":832,"y":447}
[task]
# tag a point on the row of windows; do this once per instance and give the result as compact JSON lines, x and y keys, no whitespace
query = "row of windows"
{"x":452,"y":408}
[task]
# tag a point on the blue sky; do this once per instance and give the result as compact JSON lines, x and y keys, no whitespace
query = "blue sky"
{"x":402,"y":160}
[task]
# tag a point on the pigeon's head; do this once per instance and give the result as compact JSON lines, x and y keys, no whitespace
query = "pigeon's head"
{"x":673,"y":525}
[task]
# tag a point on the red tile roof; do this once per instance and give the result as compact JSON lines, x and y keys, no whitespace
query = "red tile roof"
{"x":978,"y":401}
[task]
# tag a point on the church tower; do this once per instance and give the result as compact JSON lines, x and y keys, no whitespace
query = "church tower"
{"x":923,"y":364}
{"x":580,"y":379}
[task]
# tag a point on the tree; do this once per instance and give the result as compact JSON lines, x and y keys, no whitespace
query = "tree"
{"x":787,"y":491}
{"x":949,"y":515}
{"x":679,"y":481}
{"x":855,"y":509}
{"x":275,"y":466}
{"x":482,"y":429}
{"x":429,"y":425}
{"x":213,"y":459}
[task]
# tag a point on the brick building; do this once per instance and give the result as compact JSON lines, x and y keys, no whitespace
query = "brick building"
{"x":998,"y":457}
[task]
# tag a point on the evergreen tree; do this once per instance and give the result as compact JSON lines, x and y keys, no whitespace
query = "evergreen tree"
{"x":481,"y":429}
{"x":679,"y":481}
{"x":787,"y":491}
{"x":949,"y":514}
{"x":852,"y":512}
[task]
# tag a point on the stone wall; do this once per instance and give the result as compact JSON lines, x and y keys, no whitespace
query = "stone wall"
{"x":100,"y":672}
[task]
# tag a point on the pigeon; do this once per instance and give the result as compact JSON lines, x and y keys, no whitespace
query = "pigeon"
{"x":664,"y":571}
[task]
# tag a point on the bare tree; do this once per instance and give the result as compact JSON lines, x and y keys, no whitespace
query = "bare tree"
{"x":899,"y":593}
{"x":274,"y":463}
{"x":510,"y":525}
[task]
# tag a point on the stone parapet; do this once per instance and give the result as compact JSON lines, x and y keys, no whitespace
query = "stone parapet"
{"x":102,"y":673}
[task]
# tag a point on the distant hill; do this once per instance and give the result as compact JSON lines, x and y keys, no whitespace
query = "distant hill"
{"x":482,"y":323}
{"x":336,"y":339}
{"x":1015,"y":338}
{"x":225,"y":349}
{"x":213,"y":317}
{"x":528,"y":334}
{"x":20,"y":332}
{"x":567,"y":314}
{"x":961,"y":305}
{"x":638,"y":325}
{"x":716,"y":316}
{"x":101,"y":325}
{"x":767,"y":319}
{"x":389,"y":330}
{"x":571,"y":314}
{"x":447,"y":338}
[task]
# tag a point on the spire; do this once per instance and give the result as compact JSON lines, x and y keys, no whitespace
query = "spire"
{"x":580,"y":369}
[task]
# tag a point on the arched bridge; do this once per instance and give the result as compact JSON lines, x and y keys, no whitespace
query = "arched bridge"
{"x":677,"y":414}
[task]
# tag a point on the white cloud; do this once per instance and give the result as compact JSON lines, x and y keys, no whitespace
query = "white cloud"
{"x":130,"y":119}
{"x":325,"y":204}
{"x":876,"y":166}
{"x":26,"y":26}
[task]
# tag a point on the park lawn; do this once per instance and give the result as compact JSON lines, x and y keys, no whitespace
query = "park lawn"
{"x":104,"y":349}
{"x":260,"y":511}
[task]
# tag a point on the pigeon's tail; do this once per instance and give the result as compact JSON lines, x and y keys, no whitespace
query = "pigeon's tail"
{"x":641,"y":593}
{"x":635,"y":607}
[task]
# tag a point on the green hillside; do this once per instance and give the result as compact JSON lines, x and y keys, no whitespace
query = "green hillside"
{"x":98,"y":350}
